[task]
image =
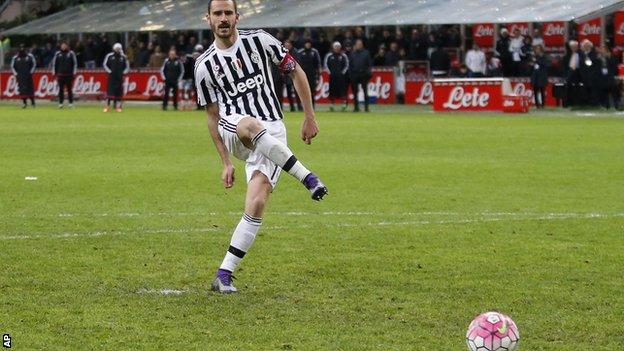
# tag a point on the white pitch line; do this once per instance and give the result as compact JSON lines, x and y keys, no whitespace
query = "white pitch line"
{"x":295,"y":214}
{"x":543,"y":217}
{"x":165,"y":291}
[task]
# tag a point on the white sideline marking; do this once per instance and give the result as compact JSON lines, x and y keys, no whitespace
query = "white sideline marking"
{"x":542,"y":217}
{"x":161,"y":291}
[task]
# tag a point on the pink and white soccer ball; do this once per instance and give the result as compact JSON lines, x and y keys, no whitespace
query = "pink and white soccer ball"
{"x":492,"y":331}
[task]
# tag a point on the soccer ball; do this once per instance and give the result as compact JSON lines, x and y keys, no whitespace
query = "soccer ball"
{"x":492,"y":331}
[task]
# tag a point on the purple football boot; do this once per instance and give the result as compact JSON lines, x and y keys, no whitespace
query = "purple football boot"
{"x":223,"y":282}
{"x":316,"y":187}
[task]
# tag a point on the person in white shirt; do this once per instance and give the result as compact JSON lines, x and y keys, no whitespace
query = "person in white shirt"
{"x":515,"y":48}
{"x":476,"y":62}
{"x":537,"y":38}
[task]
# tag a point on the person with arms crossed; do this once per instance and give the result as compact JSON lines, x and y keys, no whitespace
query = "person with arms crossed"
{"x":235,"y":84}
{"x":23,"y":66}
{"x":64,"y":67}
{"x":116,"y":65}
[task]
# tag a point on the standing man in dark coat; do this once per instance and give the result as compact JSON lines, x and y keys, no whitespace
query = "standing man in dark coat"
{"x":570,"y":66}
{"x":116,"y":64}
{"x":608,"y":87}
{"x":503,"y":53}
{"x":172,"y":72}
{"x":337,"y":63}
{"x":310,"y":61}
{"x":23,"y":65}
{"x":361,"y":73}
{"x":64,"y":67}
{"x":440,"y":63}
{"x":539,"y":75}
{"x":589,"y":69}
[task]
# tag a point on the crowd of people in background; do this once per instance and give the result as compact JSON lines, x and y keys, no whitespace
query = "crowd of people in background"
{"x":333,"y":49}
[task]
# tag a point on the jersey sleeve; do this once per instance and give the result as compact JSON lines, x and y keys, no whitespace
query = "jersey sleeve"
{"x":206,"y":93}
{"x":278,"y":54}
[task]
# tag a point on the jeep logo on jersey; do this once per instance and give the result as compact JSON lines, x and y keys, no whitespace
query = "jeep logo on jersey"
{"x":248,"y":84}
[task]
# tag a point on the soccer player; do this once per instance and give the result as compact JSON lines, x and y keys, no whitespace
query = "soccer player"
{"x":23,"y":66}
{"x":116,"y":64}
{"x":234,"y":82}
{"x":64,"y":68}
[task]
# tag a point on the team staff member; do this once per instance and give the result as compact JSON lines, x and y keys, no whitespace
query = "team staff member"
{"x":172,"y":72}
{"x":64,"y":67}
{"x":23,"y":65}
{"x":337,"y":63}
{"x":539,"y":75}
{"x":116,"y":64}
{"x":361,"y":72}
{"x":310,"y":62}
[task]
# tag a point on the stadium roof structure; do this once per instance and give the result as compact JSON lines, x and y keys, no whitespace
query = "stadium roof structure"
{"x":165,"y":15}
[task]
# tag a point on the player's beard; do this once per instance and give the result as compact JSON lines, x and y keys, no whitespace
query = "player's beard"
{"x":224,"y":31}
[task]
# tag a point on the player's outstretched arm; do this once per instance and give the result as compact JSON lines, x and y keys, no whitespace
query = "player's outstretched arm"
{"x":309,"y":129}
{"x":227,"y":176}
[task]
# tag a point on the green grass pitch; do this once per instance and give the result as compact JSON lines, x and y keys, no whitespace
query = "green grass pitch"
{"x":431,"y":220}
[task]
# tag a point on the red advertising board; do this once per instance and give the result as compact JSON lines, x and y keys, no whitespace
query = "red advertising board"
{"x":591,"y":30}
{"x":483,"y":34}
{"x":618,"y":28}
{"x":148,"y":85}
{"x":139,"y":85}
{"x":380,"y":87}
{"x":522,"y":26}
{"x":420,"y":92}
{"x":479,"y":94}
{"x":554,"y":34}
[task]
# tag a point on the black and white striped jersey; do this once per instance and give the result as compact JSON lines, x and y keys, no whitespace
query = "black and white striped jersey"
{"x":239,"y":78}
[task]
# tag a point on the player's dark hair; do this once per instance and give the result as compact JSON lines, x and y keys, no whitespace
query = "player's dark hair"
{"x":211,"y":1}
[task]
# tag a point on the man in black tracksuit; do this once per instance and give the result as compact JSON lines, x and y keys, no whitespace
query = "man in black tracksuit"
{"x":361,"y":64}
{"x":310,"y":61}
{"x":64,"y":68}
{"x":116,"y":64}
{"x":23,"y":65}
{"x":337,"y":63}
{"x":172,"y":72}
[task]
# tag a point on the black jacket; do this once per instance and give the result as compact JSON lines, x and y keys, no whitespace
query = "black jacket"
{"x":23,"y":65}
{"x":502,"y":49}
{"x":361,"y":63}
{"x":172,"y":71}
{"x":589,"y":68}
{"x":440,"y":60}
{"x":116,"y":65}
{"x":337,"y":64}
{"x":608,"y":70}
{"x":310,"y":61}
{"x":64,"y":63}
{"x":189,"y":67}
{"x":539,"y":71}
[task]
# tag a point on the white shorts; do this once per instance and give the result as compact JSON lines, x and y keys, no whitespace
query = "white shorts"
{"x":254,"y":161}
